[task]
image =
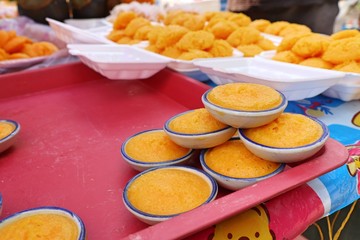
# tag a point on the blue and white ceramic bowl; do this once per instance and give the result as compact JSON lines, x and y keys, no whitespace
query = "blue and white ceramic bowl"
{"x":287,"y":155}
{"x":8,"y":140}
{"x":166,"y":186}
{"x":81,"y":235}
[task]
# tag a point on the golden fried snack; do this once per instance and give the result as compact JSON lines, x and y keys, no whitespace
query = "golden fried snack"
{"x":221,"y":48}
{"x":266,"y":44}
{"x":275,"y":27}
{"x":194,"y":22}
{"x":154,"y":33}
{"x":342,"y":50}
{"x":313,"y":45}
{"x":222,"y":28}
{"x":345,"y":34}
{"x":3,"y":55}
{"x":170,"y":36}
{"x":221,"y":15}
{"x":348,"y":66}
{"x":152,"y":48}
{"x":289,"y":41}
{"x":18,"y":56}
{"x":316,"y":62}
{"x":243,"y":36}
{"x":294,"y":28}
{"x":116,"y":35}
{"x":15,"y":44}
{"x":194,"y":53}
{"x":240,"y":19}
{"x":127,"y":40}
{"x":4,"y":37}
{"x":180,"y":18}
{"x":171,"y":15}
{"x":123,"y":19}
{"x":142,"y":33}
{"x":287,"y":56}
{"x":200,"y":40}
{"x":209,"y":15}
{"x":172,"y":52}
{"x":38,"y":49}
{"x":260,"y":24}
{"x":135,"y":24}
{"x":250,"y":50}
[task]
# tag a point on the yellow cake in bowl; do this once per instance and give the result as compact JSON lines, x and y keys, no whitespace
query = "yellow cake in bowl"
{"x":289,"y":138}
{"x":153,"y":148}
{"x":197,"y":129}
{"x":158,"y":194}
{"x":244,"y":105}
{"x":235,"y":167}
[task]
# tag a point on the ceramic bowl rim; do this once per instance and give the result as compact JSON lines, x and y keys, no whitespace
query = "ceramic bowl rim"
{"x":324,"y":136}
{"x":13,"y":133}
{"x":150,"y":164}
{"x":74,"y":216}
{"x":212,"y":182}
{"x":168,"y":129}
{"x":239,"y":113}
{"x":228,"y":178}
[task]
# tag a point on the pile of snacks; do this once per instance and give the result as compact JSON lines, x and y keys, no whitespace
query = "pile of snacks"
{"x":188,"y":35}
{"x":13,"y":46}
{"x":340,"y":51}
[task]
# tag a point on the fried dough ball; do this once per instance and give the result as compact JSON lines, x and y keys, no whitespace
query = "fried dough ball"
{"x":194,"y":53}
{"x":170,"y":36}
{"x":200,"y":40}
{"x":348,"y":66}
{"x":222,"y":28}
{"x":142,"y":33}
{"x":136,"y":24}
{"x":221,"y":48}
{"x":15,"y":44}
{"x":38,"y":49}
{"x":316,"y":62}
{"x":195,"y":22}
{"x":289,"y":41}
{"x":123,"y":19}
{"x":127,"y":40}
{"x":180,"y":18}
{"x":116,"y":35}
{"x":313,"y":45}
{"x":3,"y":55}
{"x":345,"y":34}
{"x":294,"y":28}
{"x":276,"y":27}
{"x":172,"y":52}
{"x":287,"y":56}
{"x":266,"y":44}
{"x":260,"y":24}
{"x":221,"y":15}
{"x":4,"y":37}
{"x":240,"y":19}
{"x":154,"y":33}
{"x":243,"y":36}
{"x":250,"y":50}
{"x":342,"y":50}
{"x":153,"y":48}
{"x":175,"y":17}
{"x":18,"y":56}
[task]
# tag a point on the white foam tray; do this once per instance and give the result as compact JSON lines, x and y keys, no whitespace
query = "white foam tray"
{"x":119,"y":62}
{"x":295,"y":82}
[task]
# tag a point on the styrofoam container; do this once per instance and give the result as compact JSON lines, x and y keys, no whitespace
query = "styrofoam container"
{"x":119,"y":62}
{"x":294,"y":81}
{"x":71,"y":34}
{"x":347,"y":89}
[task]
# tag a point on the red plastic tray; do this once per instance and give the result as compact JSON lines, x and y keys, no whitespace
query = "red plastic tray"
{"x":73,"y":122}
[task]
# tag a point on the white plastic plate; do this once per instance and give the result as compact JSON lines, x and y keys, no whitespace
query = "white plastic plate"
{"x":119,"y":62}
{"x":347,"y":89}
{"x":295,"y":82}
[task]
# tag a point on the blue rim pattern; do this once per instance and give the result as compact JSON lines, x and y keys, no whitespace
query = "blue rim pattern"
{"x":14,"y":132}
{"x":204,"y":165}
{"x":167,"y":128}
{"x":82,"y":233}
{"x":130,"y":159}
{"x":213,"y":193}
{"x":323,"y":137}
{"x":283,"y":104}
